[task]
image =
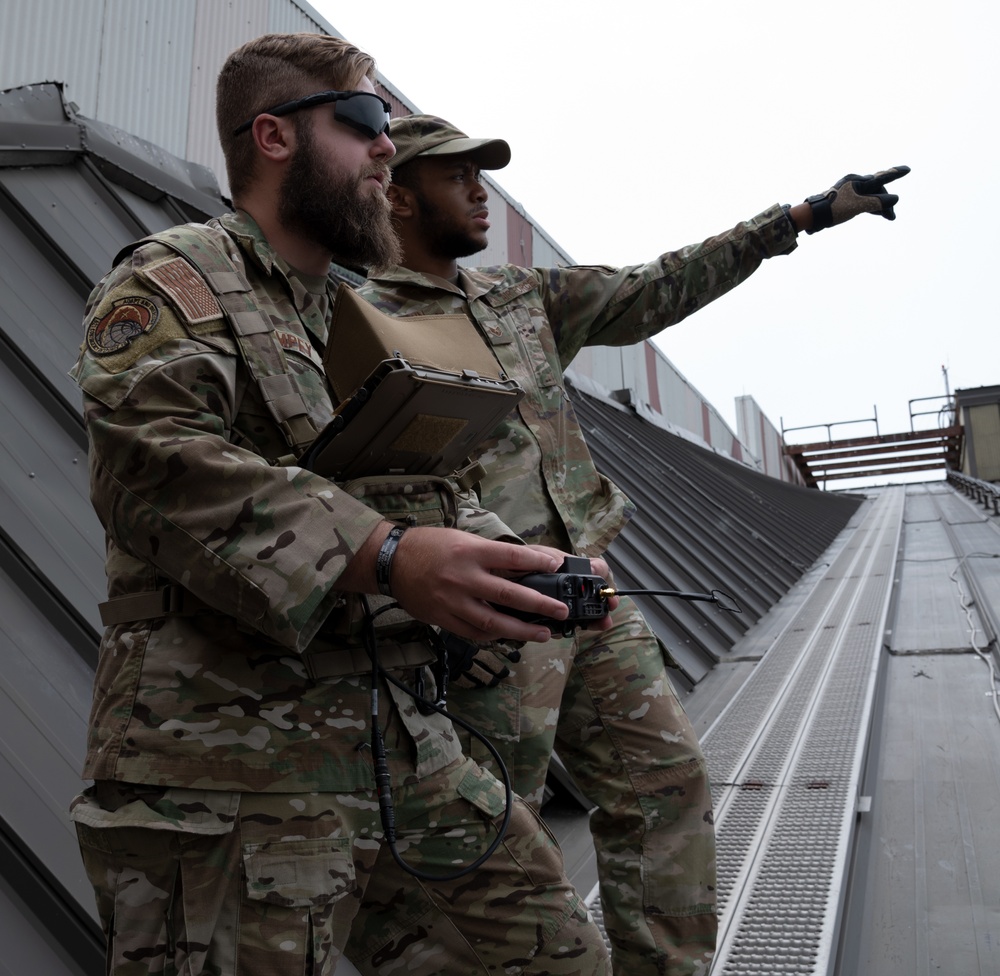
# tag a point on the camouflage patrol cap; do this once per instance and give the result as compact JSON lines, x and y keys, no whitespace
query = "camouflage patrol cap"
{"x":427,"y":135}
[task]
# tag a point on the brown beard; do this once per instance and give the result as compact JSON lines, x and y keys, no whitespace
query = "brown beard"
{"x":336,"y":211}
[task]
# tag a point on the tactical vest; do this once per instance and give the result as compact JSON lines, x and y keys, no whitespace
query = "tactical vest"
{"x":338,"y":650}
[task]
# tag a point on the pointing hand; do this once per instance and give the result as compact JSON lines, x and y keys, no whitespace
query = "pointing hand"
{"x":854,"y":195}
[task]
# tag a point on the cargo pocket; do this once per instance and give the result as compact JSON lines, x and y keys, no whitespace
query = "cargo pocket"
{"x":295,"y":895}
{"x":678,"y":846}
{"x":495,"y":714}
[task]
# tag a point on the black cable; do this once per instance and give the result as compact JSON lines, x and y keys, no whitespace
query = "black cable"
{"x":723,"y":600}
{"x":383,"y":782}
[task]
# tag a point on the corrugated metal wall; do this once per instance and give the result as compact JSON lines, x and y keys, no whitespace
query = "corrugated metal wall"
{"x":143,"y":45}
{"x":663,"y":395}
{"x":545,"y":252}
{"x":51,"y":40}
{"x":763,"y":440}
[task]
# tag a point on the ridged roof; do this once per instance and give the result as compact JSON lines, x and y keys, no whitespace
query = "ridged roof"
{"x":704,"y":522}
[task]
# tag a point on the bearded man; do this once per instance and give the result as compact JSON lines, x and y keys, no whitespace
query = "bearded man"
{"x":239,"y":727}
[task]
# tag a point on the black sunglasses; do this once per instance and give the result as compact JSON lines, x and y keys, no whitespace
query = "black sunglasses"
{"x":361,"y":110}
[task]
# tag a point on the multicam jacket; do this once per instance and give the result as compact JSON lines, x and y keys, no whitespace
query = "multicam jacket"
{"x":540,"y":477}
{"x":181,"y":445}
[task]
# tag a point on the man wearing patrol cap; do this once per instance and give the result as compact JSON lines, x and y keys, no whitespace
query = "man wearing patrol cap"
{"x":427,"y":136}
{"x":238,"y":724}
{"x":621,"y":731}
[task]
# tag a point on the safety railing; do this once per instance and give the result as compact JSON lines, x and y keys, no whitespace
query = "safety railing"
{"x":984,"y":492}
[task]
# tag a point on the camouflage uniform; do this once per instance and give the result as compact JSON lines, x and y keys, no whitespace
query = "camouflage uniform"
{"x":233,"y":826}
{"x":604,"y":700}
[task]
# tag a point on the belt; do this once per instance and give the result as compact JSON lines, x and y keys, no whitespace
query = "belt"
{"x":171,"y":600}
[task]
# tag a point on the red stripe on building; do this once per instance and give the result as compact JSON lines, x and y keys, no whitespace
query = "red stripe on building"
{"x":652,"y":380}
{"x":519,"y":248}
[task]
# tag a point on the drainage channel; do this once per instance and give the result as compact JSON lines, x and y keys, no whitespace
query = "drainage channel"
{"x":785,"y":759}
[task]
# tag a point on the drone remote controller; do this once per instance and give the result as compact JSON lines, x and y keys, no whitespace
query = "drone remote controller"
{"x":573,"y":585}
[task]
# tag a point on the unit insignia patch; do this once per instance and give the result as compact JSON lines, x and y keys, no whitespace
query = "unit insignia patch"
{"x":128,"y":319}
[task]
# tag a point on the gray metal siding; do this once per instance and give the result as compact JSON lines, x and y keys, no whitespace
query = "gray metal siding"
{"x":68,"y":213}
{"x":45,"y":695}
{"x":220,"y":28}
{"x":44,"y":494}
{"x":35,"y":321}
{"x":52,"y":40}
{"x":33,"y":950}
{"x":145,"y":72}
{"x":545,"y":253}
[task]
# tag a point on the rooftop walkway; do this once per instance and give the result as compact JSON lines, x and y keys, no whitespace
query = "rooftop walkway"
{"x":853,"y":738}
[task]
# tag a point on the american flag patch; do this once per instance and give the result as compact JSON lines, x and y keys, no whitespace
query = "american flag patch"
{"x":187,"y":291}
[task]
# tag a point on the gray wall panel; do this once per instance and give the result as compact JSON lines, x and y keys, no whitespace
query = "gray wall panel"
{"x":69,"y":208}
{"x":45,"y":692}
{"x":220,"y":28}
{"x":31,"y":50}
{"x":33,"y":951}
{"x":152,"y":217}
{"x":40,"y":323}
{"x":44,"y":497}
{"x":285,"y":17}
{"x":145,"y":79}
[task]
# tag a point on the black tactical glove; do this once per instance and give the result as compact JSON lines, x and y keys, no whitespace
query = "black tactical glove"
{"x":470,"y":665}
{"x":854,"y":195}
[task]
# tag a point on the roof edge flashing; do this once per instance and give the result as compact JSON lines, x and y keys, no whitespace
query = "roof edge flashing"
{"x":36,"y":128}
{"x":148,"y":170}
{"x":42,"y":128}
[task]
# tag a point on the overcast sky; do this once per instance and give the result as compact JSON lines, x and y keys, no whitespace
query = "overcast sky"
{"x":639,"y":127}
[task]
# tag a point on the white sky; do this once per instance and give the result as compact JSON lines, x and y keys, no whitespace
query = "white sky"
{"x":643,"y":126}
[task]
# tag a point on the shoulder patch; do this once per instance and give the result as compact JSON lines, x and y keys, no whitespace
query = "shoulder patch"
{"x":188,"y":293}
{"x":126,"y":320}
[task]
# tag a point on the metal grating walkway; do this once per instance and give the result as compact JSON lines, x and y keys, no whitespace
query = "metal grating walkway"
{"x":786,"y":758}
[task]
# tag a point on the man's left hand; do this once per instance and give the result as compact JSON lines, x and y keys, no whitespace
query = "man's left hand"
{"x":854,"y":195}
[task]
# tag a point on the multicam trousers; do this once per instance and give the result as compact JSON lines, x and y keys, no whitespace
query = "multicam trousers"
{"x":277,"y":893}
{"x":604,"y":702}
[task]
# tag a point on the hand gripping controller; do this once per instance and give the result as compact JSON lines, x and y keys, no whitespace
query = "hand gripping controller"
{"x":585,"y":595}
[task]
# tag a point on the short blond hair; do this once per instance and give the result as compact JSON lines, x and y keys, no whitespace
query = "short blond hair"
{"x":272,"y":69}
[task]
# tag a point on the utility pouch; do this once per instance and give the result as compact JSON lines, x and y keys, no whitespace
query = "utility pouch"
{"x":361,"y":337}
{"x":403,"y":641}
